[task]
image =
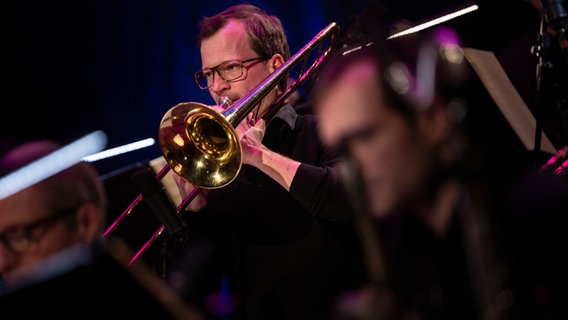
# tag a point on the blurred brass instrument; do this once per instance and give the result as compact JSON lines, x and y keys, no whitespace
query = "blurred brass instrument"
{"x":201,"y":145}
{"x":558,"y":164}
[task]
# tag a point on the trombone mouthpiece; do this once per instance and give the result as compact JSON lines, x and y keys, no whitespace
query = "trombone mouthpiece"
{"x":224,"y":102}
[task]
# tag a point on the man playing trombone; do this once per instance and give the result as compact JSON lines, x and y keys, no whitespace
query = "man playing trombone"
{"x":281,"y":233}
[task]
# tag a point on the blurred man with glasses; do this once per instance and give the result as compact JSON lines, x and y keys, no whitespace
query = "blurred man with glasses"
{"x":53,"y":257}
{"x":64,"y":210}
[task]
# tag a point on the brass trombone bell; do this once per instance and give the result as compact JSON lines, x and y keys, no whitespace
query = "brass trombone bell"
{"x":200,"y":145}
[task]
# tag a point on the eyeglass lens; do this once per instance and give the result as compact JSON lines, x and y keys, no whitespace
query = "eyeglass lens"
{"x":228,"y":71}
{"x":19,"y":240}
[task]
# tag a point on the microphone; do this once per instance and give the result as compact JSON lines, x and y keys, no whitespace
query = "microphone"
{"x":557,"y":18}
{"x":154,"y":193}
{"x":555,"y":13}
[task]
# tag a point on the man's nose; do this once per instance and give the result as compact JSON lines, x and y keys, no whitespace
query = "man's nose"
{"x":219,"y":84}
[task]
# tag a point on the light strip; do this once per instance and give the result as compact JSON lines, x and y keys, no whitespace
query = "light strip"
{"x":120,"y":150}
{"x":52,"y":163}
{"x":435,"y":21}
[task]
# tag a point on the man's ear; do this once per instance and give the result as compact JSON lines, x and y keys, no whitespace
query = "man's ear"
{"x":435,"y":123}
{"x":89,"y":222}
{"x":275,"y":62}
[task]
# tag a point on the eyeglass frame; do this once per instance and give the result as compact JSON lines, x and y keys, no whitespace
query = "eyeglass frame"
{"x":215,"y":70}
{"x":24,"y":232}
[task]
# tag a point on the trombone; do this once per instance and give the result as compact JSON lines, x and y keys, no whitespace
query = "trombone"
{"x":200,"y":144}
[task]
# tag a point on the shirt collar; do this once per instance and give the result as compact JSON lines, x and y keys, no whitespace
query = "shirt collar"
{"x":288,"y":114}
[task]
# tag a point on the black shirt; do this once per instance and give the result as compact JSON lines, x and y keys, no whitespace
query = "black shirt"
{"x":286,"y":255}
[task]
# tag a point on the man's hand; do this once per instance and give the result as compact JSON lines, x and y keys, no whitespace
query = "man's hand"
{"x":250,"y":135}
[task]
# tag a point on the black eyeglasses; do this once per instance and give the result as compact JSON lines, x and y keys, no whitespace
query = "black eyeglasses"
{"x":229,"y":71}
{"x":19,"y":239}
